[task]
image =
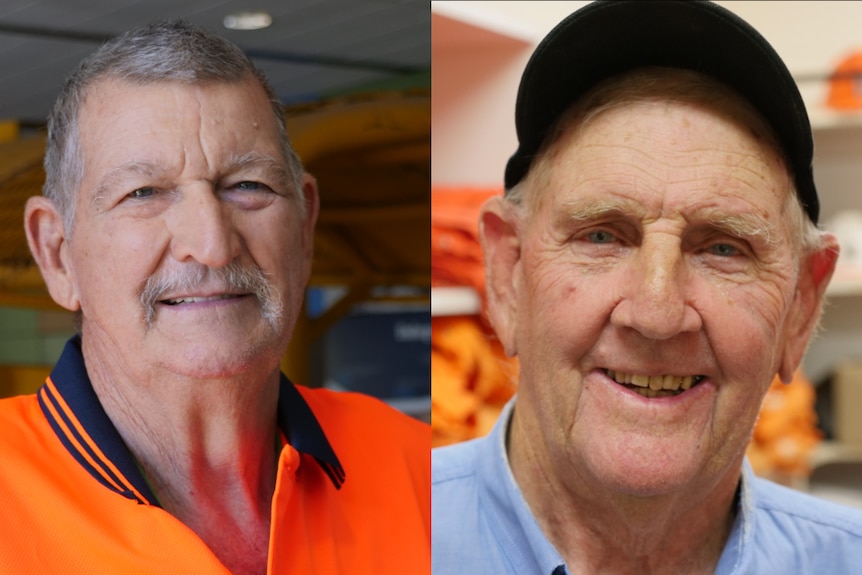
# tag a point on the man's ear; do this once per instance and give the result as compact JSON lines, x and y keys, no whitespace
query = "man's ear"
{"x":311,"y":201}
{"x":47,"y":239}
{"x":501,"y":244}
{"x":814,"y":276}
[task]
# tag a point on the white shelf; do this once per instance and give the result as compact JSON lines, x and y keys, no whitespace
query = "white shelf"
{"x":846,"y":281}
{"x":448,"y":301}
{"x":823,"y":118}
{"x":835,"y":452}
{"x":845,"y":288}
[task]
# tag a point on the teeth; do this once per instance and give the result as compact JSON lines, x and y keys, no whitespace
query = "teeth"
{"x":653,"y":384}
{"x":668,"y":382}
{"x":640,"y":380}
{"x":195,"y":299}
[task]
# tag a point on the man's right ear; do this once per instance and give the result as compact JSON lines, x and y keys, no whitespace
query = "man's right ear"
{"x":501,"y":245}
{"x":47,"y":239}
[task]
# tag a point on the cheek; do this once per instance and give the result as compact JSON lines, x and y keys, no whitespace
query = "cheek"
{"x":745,"y":330}
{"x":275,"y":243}
{"x":112,"y":261}
{"x":562,"y":309}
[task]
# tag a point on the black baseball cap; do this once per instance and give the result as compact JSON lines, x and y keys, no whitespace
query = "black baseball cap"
{"x":609,"y":37}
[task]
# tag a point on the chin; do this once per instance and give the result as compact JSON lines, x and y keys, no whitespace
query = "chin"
{"x":646,"y":471}
{"x":219,"y":362}
{"x":646,"y":486}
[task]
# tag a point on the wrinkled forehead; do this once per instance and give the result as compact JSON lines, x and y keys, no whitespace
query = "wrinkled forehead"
{"x":168,"y":128}
{"x":119,"y":90}
{"x":112,"y":104}
{"x":670,"y":88}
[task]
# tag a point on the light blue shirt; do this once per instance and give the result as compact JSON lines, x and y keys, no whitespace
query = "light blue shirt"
{"x":482,"y":525}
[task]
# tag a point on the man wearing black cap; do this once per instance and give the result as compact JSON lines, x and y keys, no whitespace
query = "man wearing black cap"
{"x":654,"y":263}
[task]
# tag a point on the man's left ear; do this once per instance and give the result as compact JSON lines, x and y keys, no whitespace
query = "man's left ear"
{"x":804,"y":315}
{"x":311,"y":202}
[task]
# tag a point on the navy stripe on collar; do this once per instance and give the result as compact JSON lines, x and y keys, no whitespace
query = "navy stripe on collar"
{"x":72,"y":384}
{"x":304,"y":433}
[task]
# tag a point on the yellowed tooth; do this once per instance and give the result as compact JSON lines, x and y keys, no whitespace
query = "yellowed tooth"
{"x":651,"y":393}
{"x":656,"y":382}
{"x":640,"y":380}
{"x":669,"y":382}
{"x":612,"y":374}
{"x":686,"y":382}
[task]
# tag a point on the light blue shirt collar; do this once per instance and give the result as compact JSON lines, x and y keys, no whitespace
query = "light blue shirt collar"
{"x":519,"y":535}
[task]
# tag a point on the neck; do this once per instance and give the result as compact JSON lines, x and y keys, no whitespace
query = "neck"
{"x":600,"y":532}
{"x":207,"y":447}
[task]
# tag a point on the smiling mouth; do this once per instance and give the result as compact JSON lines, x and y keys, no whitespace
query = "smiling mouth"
{"x":655,"y":385}
{"x":195,"y":299}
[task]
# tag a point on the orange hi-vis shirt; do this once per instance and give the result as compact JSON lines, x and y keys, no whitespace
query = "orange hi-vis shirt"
{"x":352,"y":494}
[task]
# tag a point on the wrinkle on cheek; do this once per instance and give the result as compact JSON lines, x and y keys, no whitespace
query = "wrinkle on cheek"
{"x":764,"y":299}
{"x":544,"y":269}
{"x":754,"y":320}
{"x":777,"y":287}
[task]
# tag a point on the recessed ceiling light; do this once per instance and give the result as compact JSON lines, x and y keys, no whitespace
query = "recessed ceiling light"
{"x":247,"y":20}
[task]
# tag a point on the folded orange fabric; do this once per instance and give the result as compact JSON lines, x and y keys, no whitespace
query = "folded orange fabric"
{"x":786,"y":431}
{"x":471,"y":379}
{"x":456,"y":257}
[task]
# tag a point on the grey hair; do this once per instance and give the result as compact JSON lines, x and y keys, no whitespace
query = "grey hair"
{"x":165,"y":51}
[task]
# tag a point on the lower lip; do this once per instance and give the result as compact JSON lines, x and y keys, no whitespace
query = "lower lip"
{"x":196,"y":305}
{"x":692,"y":394}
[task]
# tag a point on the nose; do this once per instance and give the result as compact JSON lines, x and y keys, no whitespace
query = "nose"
{"x":202,"y":229}
{"x":655,"y":299}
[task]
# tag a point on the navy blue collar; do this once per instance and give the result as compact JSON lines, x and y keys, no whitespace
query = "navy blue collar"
{"x":74,"y":412}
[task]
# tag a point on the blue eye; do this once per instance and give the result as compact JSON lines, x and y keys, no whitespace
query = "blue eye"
{"x":248,"y":186}
{"x":723,"y":250}
{"x":601,"y":237}
{"x":141,"y":193}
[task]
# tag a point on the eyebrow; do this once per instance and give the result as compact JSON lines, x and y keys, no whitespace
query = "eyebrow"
{"x":235,"y":163}
{"x":254,"y":159}
{"x":741,"y":225}
{"x":584,"y":209}
{"x":112,"y":178}
{"x":273,"y":166}
{"x":746,"y":225}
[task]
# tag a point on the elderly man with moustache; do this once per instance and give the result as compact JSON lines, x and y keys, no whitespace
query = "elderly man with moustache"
{"x":178,"y":221}
{"x":654,"y":262}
